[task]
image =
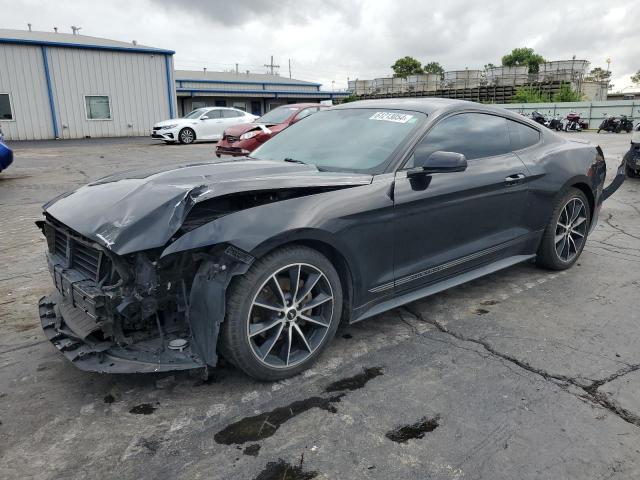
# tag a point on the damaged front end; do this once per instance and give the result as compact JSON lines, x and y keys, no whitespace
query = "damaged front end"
{"x":136,"y":312}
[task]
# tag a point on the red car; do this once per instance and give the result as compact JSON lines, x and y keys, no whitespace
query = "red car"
{"x":242,"y":139}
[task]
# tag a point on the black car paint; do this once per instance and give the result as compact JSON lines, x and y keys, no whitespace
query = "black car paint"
{"x":347,"y":216}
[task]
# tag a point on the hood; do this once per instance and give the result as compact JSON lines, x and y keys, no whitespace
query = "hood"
{"x":238,"y":130}
{"x":143,"y":209}
{"x":175,"y":121}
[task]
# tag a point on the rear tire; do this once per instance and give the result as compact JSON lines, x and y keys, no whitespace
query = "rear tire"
{"x":265,"y":333}
{"x":187,"y":136}
{"x":566,"y":234}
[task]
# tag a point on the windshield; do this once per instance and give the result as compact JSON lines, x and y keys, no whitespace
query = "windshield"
{"x":354,"y":140}
{"x":277,"y":115}
{"x":196,"y":113}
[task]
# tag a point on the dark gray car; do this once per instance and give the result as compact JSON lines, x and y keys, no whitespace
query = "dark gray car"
{"x":354,"y":211}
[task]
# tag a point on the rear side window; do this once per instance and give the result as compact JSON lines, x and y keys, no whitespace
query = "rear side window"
{"x":475,"y":135}
{"x":231,"y":114}
{"x":522,"y":136}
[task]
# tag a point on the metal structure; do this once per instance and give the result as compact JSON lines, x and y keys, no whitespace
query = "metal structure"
{"x":480,"y":93}
{"x":360,"y":87}
{"x":462,"y":79}
{"x":563,"y":71}
{"x":74,"y":86}
{"x":494,"y":85}
{"x":501,"y":76}
{"x":256,"y":93}
{"x":426,"y":82}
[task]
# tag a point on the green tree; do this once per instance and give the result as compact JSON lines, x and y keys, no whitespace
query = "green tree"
{"x":530,"y":95}
{"x":599,"y":75}
{"x":434,"y":67}
{"x":406,"y":66}
{"x":350,"y":98}
{"x":635,"y":79}
{"x":566,"y":94}
{"x":488,"y":66}
{"x":523,"y":56}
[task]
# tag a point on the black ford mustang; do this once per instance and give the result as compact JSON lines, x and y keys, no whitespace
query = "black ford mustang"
{"x":351,"y":212}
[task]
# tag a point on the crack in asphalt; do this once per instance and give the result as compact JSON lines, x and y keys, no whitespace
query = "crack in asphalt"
{"x":619,"y":229}
{"x":591,"y":392}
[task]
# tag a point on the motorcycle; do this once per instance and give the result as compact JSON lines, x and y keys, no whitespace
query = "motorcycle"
{"x":575,"y":123}
{"x":610,"y":124}
{"x":632,"y":157}
{"x":554,"y":123}
{"x":626,"y":124}
{"x":538,"y":117}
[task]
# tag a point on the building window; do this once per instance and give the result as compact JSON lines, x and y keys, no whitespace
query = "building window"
{"x":98,"y":107}
{"x":5,"y":107}
{"x":240,"y":106}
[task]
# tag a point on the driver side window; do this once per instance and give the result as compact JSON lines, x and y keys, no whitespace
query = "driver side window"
{"x":475,"y":135}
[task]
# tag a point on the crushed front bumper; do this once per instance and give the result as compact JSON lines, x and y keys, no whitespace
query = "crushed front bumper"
{"x":65,"y":327}
{"x":233,"y":151}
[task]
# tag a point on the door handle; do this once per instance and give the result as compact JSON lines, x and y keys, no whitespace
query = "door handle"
{"x":514,"y":179}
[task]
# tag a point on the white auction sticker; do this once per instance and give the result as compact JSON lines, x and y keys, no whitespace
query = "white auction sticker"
{"x":391,"y":117}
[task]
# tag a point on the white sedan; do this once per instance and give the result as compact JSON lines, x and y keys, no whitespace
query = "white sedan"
{"x":201,"y":124}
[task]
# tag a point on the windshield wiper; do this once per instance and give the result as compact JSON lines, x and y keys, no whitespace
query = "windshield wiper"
{"x":293,"y":160}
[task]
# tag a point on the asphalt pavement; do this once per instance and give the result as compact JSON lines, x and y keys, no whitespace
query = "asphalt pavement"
{"x":524,"y":374}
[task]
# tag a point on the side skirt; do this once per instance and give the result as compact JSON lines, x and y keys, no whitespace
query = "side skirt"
{"x":440,"y":286}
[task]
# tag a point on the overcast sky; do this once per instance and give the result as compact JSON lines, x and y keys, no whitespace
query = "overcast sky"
{"x":331,"y":40}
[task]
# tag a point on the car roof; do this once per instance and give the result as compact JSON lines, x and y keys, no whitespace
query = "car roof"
{"x":432,"y":105}
{"x":300,"y":105}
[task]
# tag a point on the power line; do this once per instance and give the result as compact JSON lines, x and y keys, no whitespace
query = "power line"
{"x":271,"y":65}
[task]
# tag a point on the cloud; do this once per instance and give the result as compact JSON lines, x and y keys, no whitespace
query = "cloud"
{"x":233,"y":13}
{"x":334,"y":39}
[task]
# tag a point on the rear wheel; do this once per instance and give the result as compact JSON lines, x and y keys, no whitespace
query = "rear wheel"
{"x":187,"y":136}
{"x":566,"y":234}
{"x":282,"y":313}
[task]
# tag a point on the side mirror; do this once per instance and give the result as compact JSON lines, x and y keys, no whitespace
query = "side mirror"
{"x":202,"y":119}
{"x":425,"y":161}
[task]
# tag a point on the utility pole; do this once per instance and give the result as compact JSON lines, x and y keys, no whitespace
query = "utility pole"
{"x":289,"y":68}
{"x":236,"y":69}
{"x":271,"y":65}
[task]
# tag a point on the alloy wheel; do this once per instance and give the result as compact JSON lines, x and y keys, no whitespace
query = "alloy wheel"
{"x":290,"y":315}
{"x":571,"y":230}
{"x":186,"y":136}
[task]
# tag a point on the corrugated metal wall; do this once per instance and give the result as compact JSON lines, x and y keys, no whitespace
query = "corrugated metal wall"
{"x":247,"y":86}
{"x":22,"y":77}
{"x":592,"y":112}
{"x":136,"y":83}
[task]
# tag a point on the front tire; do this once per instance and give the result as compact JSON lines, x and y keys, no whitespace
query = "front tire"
{"x":566,"y":234}
{"x":187,"y":136}
{"x":282,"y":313}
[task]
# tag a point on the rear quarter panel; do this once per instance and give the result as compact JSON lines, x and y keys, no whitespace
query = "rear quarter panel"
{"x":555,"y":165}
